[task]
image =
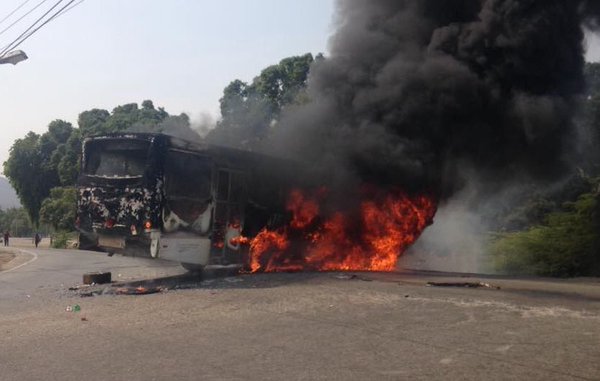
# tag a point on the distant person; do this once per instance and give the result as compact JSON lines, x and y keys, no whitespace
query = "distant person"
{"x":6,"y":236}
{"x":37,"y":239}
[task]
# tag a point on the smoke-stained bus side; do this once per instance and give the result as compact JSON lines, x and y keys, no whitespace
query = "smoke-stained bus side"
{"x":154,"y":195}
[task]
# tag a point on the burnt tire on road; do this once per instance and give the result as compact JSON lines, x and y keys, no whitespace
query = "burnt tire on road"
{"x":97,"y":278}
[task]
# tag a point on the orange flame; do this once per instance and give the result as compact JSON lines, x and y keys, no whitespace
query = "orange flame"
{"x":370,"y":240}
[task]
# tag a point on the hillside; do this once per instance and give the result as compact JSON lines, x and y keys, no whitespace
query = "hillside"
{"x":8,"y":197}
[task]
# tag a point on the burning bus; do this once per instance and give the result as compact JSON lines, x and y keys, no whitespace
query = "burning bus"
{"x":159,"y":196}
{"x":198,"y":204}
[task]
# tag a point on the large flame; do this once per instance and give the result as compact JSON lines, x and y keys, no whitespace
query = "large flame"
{"x":371,"y":239}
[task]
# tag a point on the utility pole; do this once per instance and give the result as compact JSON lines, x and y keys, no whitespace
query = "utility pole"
{"x":13,"y":57}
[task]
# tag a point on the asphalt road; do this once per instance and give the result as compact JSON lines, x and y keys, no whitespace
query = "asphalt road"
{"x":290,"y":326}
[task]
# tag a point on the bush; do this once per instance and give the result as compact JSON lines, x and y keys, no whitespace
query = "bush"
{"x":566,"y":245}
{"x":60,"y":240}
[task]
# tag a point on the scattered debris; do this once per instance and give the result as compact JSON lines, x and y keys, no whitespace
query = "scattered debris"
{"x":463,"y":284}
{"x":138,"y":290}
{"x":79,"y":287}
{"x":352,"y":276}
{"x":97,"y":278}
{"x":233,"y":279}
{"x":74,"y":308}
{"x":346,"y":276}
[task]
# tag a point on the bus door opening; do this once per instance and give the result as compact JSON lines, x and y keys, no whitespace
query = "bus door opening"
{"x":229,"y":216}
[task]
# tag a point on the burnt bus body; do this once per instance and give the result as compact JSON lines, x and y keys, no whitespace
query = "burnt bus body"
{"x":158,"y":196}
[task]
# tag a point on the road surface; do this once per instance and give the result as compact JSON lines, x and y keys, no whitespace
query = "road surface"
{"x":291,"y":326}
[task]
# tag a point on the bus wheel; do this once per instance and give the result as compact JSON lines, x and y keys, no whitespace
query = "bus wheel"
{"x":97,"y":278}
{"x":87,"y":243}
{"x":193,"y":268}
{"x":154,"y":246}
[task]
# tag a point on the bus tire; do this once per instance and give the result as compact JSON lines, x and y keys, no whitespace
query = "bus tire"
{"x":193,"y":268}
{"x":154,"y":247}
{"x":97,"y":278}
{"x":86,"y":243}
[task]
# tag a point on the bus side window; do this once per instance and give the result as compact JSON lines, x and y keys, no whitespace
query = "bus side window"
{"x":223,"y":186}
{"x":238,"y":188}
{"x":188,"y":184}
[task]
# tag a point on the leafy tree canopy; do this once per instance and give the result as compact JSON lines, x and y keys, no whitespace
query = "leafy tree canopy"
{"x":30,"y":173}
{"x":566,"y":244}
{"x":59,"y":209}
{"x":16,"y":222}
{"x":249,"y":111}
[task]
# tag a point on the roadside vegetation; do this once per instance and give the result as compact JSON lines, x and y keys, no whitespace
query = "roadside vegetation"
{"x":16,"y":221}
{"x":565,"y":243}
{"x":557,"y":232}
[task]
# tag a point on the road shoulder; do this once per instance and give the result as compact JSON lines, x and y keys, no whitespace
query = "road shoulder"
{"x":11,"y":258}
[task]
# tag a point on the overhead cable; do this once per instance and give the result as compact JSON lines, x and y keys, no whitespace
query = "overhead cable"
{"x":13,"y":12}
{"x":29,"y":32}
{"x":22,"y":17}
{"x":56,"y":15}
{"x":68,"y":9}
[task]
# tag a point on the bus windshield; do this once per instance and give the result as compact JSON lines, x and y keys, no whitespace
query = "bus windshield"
{"x":116,"y":157}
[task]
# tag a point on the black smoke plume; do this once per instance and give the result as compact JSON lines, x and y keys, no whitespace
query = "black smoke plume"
{"x":414,"y":90}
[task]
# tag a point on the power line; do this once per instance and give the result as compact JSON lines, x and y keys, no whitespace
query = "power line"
{"x":68,"y":9}
{"x":59,"y":13}
{"x":19,"y":40}
{"x":25,"y":35}
{"x":22,"y":17}
{"x":9,"y":46}
{"x":13,"y":12}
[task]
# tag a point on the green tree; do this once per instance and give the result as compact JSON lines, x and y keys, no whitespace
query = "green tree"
{"x":281,"y":83}
{"x":565,"y":245}
{"x":59,"y":210}
{"x":26,"y":172}
{"x":53,"y":148}
{"x":68,"y":166}
{"x":250,"y":111}
{"x":554,"y":230}
{"x":93,"y":122}
{"x":174,"y":125}
{"x":16,"y":221}
{"x":32,"y":165}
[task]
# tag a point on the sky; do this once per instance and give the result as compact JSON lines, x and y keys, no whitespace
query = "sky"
{"x":178,"y":53}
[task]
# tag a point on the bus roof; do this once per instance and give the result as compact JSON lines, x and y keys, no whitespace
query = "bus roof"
{"x":222,"y":152}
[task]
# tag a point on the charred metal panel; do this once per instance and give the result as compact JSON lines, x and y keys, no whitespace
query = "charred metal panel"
{"x":118,"y":203}
{"x":125,"y":206}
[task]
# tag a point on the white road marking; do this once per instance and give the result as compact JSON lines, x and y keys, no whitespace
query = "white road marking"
{"x":35,"y":257}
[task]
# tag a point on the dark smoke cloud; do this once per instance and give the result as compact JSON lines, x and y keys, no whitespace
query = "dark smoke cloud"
{"x":413,"y":90}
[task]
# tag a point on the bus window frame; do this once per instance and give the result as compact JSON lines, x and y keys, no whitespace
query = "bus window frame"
{"x":86,"y":153}
{"x":166,"y":174}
